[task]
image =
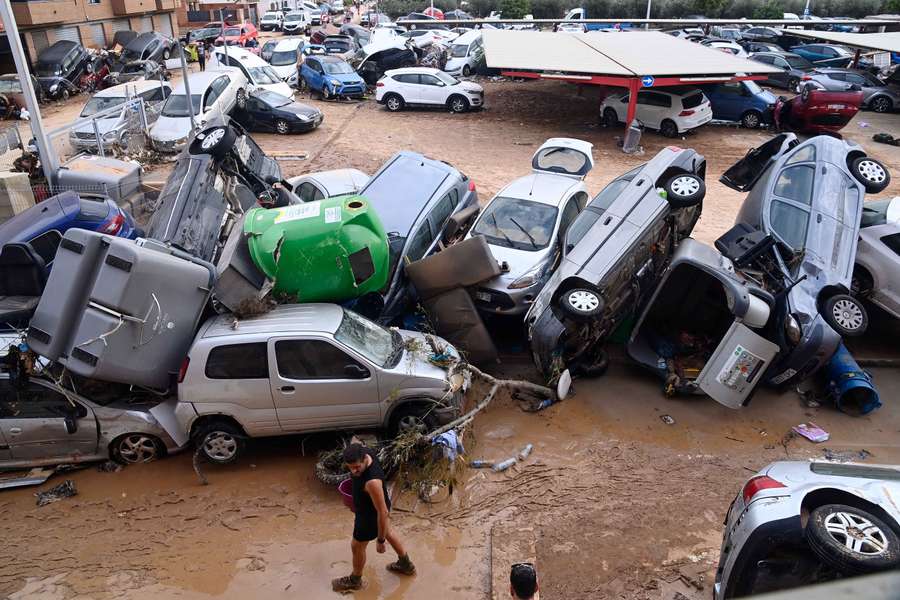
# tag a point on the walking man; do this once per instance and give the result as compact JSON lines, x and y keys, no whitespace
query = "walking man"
{"x":201,"y":55}
{"x":372,"y":521}
{"x":523,"y":584}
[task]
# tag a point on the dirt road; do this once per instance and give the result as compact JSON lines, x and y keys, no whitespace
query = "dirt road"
{"x":621,"y":504}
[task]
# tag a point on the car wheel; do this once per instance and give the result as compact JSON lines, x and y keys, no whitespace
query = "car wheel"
{"x":393,"y":102}
{"x":881,"y":104}
{"x":220,"y":442}
{"x":282,"y":127}
{"x":871,"y":173}
{"x":610,"y":117}
{"x":793,"y":83}
{"x":852,"y":540}
{"x":581,"y":303}
{"x":124,"y":139}
{"x":134,"y":448}
{"x":804,"y":94}
{"x":241,"y":99}
{"x":166,"y":54}
{"x":64,"y":95}
{"x":668,"y":128}
{"x":751,"y":119}
{"x":215,"y":141}
{"x":412,"y":417}
{"x":458,"y":104}
{"x":595,"y":365}
{"x":326,"y":93}
{"x":467,"y":70}
{"x":846,"y":315}
{"x":685,"y":189}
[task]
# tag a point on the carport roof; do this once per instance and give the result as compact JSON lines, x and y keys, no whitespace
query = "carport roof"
{"x":623,"y":54}
{"x":888,"y":42}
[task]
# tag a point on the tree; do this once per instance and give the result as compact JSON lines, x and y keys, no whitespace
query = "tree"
{"x":514,"y":9}
{"x":710,"y":8}
{"x":770,"y":9}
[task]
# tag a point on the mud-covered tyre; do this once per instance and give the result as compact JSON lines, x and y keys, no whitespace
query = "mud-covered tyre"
{"x":410,"y":417}
{"x":610,"y":117}
{"x":241,"y":99}
{"x":393,"y":102}
{"x":581,"y":303}
{"x":215,"y":141}
{"x":330,"y":472}
{"x":684,"y":189}
{"x":467,"y":70}
{"x":668,"y":129}
{"x":852,"y":540}
{"x":596,"y":366}
{"x":135,"y":448}
{"x":846,"y":315}
{"x":872,"y":173}
{"x":220,"y":442}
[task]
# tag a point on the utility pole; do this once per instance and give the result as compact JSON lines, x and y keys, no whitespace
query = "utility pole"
{"x":224,"y":39}
{"x":49,"y":160}
{"x":649,"y":2}
{"x":187,"y":84}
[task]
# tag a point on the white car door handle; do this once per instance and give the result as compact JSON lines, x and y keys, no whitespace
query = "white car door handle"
{"x":15,"y":430}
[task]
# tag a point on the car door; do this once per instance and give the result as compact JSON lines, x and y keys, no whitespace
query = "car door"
{"x":431,"y":90}
{"x":727,"y":101}
{"x":33,"y":420}
{"x":317,"y":74}
{"x":651,"y":108}
{"x":788,"y":214}
{"x":237,"y":383}
{"x":318,"y":384}
{"x":408,"y":87}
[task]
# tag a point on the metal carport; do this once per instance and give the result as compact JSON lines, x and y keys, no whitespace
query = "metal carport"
{"x":632,"y":59}
{"x":886,"y":42}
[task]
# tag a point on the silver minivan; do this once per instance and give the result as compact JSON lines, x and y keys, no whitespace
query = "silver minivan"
{"x":309,"y":367}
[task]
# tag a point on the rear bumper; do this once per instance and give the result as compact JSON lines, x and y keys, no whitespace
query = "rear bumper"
{"x":688,"y":123}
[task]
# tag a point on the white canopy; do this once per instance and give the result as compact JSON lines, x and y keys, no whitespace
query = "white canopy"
{"x":888,"y":42}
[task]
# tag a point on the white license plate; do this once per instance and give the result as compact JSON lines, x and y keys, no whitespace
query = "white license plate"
{"x":837,"y":106}
{"x":483,"y":296}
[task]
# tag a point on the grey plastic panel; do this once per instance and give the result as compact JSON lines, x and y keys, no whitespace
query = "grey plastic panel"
{"x":737,"y":366}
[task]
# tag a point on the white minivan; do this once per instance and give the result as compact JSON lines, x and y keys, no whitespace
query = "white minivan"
{"x":258,"y":72}
{"x":285,"y":59}
{"x":465,"y":53}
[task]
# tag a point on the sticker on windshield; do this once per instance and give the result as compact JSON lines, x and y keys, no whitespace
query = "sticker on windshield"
{"x":333,"y":214}
{"x":296,"y":212}
{"x":740,"y":369}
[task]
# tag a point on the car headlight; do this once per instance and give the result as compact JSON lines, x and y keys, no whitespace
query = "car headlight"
{"x":792,"y":330}
{"x":335,"y":83}
{"x":304,"y":118}
{"x":54,"y":87}
{"x":529,"y":278}
{"x":111,"y":136}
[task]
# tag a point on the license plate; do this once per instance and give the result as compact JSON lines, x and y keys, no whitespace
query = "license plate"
{"x":837,"y":106}
{"x":483,"y":296}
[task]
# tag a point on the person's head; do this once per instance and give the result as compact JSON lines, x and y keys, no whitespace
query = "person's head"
{"x":355,"y":459}
{"x":523,"y":583}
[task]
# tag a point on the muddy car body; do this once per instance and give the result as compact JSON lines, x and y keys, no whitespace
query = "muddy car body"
{"x":808,"y":197}
{"x":796,"y":523}
{"x":139,"y":70}
{"x":613,"y":254}
{"x":115,"y":129}
{"x":59,"y":67}
{"x":817,"y":111}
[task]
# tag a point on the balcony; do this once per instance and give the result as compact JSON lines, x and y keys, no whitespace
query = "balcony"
{"x":133,"y":7}
{"x":166,"y":4}
{"x":43,"y":12}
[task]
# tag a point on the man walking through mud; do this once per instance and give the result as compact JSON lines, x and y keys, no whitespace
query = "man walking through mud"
{"x":372,"y":520}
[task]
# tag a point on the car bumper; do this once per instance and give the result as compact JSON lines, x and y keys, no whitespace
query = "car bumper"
{"x":476,"y":100}
{"x":308,"y":125}
{"x":688,"y":123}
{"x":505,"y":302}
{"x":351,"y":91}
{"x":169,"y":146}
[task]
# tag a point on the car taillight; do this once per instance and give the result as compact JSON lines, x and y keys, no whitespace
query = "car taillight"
{"x":806,"y":78}
{"x":183,"y":370}
{"x":685,"y":113}
{"x":113,"y":227}
{"x":379,"y":84}
{"x":758,"y":484}
{"x":471,"y":186}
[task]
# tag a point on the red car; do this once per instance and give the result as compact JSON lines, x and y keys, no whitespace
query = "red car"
{"x":239,"y":35}
{"x":817,"y":111}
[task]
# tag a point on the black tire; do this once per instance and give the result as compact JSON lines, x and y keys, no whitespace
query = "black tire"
{"x":394,"y":102}
{"x":668,"y":129}
{"x":64,"y":95}
{"x":792,"y":84}
{"x":457,"y":104}
{"x":241,"y":99}
{"x":467,"y":70}
{"x":220,"y":442}
{"x":610,"y":117}
{"x":751,"y":119}
{"x":881,"y":104}
{"x":581,"y":302}
{"x":846,"y":315}
{"x":326,"y":93}
{"x":595,"y":366}
{"x":804,"y":93}
{"x":412,"y":416}
{"x":136,"y":448}
{"x":852,"y":540}
{"x":685,"y":189}
{"x":166,"y":54}
{"x":282,"y":127}
{"x":210,"y":141}
{"x":874,"y":176}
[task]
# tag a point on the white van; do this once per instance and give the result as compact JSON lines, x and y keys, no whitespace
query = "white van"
{"x":297,"y":21}
{"x":285,"y":58}
{"x":258,"y":72}
{"x":465,"y":53}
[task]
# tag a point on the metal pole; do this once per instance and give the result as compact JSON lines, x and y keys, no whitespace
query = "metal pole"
{"x":224,"y":41}
{"x":99,"y":139}
{"x":647,"y":26}
{"x":49,"y":160}
{"x":187,"y":86}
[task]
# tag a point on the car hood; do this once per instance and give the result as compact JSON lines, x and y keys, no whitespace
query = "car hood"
{"x":470,"y":86}
{"x":300,"y":109}
{"x":47,"y":82}
{"x":170,"y":128}
{"x":103,"y":125}
{"x":285,"y":71}
{"x":414,"y":367}
{"x":345,"y":78}
{"x":279,"y":88}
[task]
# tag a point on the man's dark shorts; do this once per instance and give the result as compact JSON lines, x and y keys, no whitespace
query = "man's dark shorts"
{"x":365,"y":529}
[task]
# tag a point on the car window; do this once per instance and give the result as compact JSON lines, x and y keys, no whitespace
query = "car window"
{"x":780,"y":62}
{"x":765,"y":59}
{"x":46,"y":244}
{"x":854,"y":78}
{"x":154,"y":95}
{"x":569,"y":214}
{"x":215,"y":90}
{"x":796,"y":183}
{"x":580,"y":227}
{"x":309,"y":192}
{"x":732,"y":89}
{"x":693,"y":100}
{"x":804,"y":154}
{"x":314,"y":359}
{"x":238,"y":361}
{"x":654,"y":99}
{"x":442,"y":211}
{"x":893,"y":242}
{"x":790,"y":223}
{"x":837,"y":76}
{"x":429,"y":80}
{"x":35,"y":401}
{"x":420,"y":242}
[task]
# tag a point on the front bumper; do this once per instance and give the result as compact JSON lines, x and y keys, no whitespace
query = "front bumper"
{"x":476,"y":99}
{"x":169,"y":146}
{"x":308,"y":125}
{"x":506,"y":302}
{"x":351,"y":91}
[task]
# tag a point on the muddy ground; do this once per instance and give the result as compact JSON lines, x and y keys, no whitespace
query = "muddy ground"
{"x":615,"y":502}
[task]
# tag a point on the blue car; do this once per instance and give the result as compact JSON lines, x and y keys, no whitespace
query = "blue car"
{"x":742,"y":101}
{"x":331,"y":77}
{"x":44,"y":224}
{"x":826,"y":55}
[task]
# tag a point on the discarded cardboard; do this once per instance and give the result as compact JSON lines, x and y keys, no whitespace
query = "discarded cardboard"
{"x":15,"y":194}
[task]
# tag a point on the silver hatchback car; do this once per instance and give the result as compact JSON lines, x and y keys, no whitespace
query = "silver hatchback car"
{"x":795,"y":523}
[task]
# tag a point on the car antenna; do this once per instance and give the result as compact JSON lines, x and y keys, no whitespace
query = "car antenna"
{"x":531,"y":191}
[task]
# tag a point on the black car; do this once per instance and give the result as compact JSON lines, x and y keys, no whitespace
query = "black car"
{"x":362,"y":35}
{"x":753,"y":46}
{"x":793,"y":68}
{"x":371,"y":67}
{"x":138,"y":70}
{"x":148,"y":46}
{"x":59,"y":66}
{"x":268,"y":111}
{"x":340,"y":44}
{"x":204,"y":34}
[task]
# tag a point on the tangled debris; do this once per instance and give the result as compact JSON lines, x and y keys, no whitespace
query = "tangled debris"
{"x":66,"y":489}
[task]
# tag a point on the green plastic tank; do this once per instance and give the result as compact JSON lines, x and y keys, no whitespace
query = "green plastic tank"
{"x":325,"y":251}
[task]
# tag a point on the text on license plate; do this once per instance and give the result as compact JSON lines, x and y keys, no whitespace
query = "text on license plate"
{"x":483,"y":296}
{"x":837,"y":106}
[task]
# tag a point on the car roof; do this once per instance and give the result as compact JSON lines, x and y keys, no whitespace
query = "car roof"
{"x":543,"y":188}
{"x":39,"y":218}
{"x":468,"y":37}
{"x":244,"y":56}
{"x":291,"y":44}
{"x":427,"y":70}
{"x":123,"y":88}
{"x":57,"y":50}
{"x":200,"y":81}
{"x":285,"y":318}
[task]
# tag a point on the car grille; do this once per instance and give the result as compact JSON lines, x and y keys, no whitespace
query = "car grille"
{"x":85,"y":135}
{"x":497,"y":299}
{"x":352,"y":89}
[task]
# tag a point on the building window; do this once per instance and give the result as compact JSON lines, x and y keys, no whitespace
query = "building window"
{"x":93,"y":1}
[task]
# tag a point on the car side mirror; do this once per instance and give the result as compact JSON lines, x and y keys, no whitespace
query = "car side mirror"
{"x":71,"y":424}
{"x":354,"y":371}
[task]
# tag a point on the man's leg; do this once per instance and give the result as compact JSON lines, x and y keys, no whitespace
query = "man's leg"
{"x":353,"y":581}
{"x":403,"y":566}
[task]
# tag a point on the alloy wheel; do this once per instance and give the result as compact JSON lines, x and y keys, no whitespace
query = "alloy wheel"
{"x":881,"y":104}
{"x":583,"y":301}
{"x":220,"y":446}
{"x":871,"y":171}
{"x":282,"y":127}
{"x":458,"y":105}
{"x":137,"y":448}
{"x":411,"y":423}
{"x":856,"y":533}
{"x":685,"y":186}
{"x":212,"y":139}
{"x":393,"y":103}
{"x":847,"y":314}
{"x":751,"y":120}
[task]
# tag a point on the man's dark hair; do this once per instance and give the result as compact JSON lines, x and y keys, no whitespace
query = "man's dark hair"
{"x":354,"y":453}
{"x":524,"y":580}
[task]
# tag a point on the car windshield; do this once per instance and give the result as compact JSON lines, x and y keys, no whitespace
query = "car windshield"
{"x":177,"y":106}
{"x":97,"y":104}
{"x":753,"y":88}
{"x":294,"y":17}
{"x":798,"y":62}
{"x":337,"y":68}
{"x":283,"y":58}
{"x":232,"y":31}
{"x":47,"y":69}
{"x":516,"y":223}
{"x":369,"y":339}
{"x":263,"y":75}
{"x":459,"y":50}
{"x":270,"y":16}
{"x":273,"y":99}
{"x":10,"y":86}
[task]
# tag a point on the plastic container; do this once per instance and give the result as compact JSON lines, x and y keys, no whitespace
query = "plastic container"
{"x":849,"y":385}
{"x":346,"y":490}
{"x":330,"y":250}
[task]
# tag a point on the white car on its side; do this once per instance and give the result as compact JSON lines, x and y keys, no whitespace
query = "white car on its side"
{"x":672,"y":112}
{"x":465,"y":53}
{"x":326,"y":184}
{"x":259,"y":73}
{"x":213,"y":92}
{"x":423,"y":86}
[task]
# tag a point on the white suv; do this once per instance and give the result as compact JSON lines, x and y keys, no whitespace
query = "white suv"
{"x":422,"y":86}
{"x":673,"y":111}
{"x":271,"y":21}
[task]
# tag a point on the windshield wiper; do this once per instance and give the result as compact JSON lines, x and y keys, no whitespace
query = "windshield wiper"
{"x":525,"y":231}
{"x":503,"y":233}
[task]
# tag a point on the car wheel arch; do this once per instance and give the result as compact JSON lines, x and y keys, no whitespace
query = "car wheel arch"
{"x":160,"y":445}
{"x":670,"y":172}
{"x":571,"y":283}
{"x":203,"y":420}
{"x":830,"y":495}
{"x":828,"y":291}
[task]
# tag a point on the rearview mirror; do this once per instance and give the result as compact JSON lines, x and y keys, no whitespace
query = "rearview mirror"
{"x":71,"y":425}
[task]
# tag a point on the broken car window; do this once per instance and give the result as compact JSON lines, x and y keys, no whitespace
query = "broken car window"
{"x":369,"y":339}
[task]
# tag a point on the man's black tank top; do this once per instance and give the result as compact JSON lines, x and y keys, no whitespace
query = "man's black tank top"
{"x":361,"y":500}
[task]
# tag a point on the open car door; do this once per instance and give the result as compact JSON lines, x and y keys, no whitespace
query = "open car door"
{"x":744,"y":174}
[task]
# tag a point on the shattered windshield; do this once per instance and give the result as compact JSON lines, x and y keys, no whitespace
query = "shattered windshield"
{"x":516,"y":223}
{"x":369,"y":339}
